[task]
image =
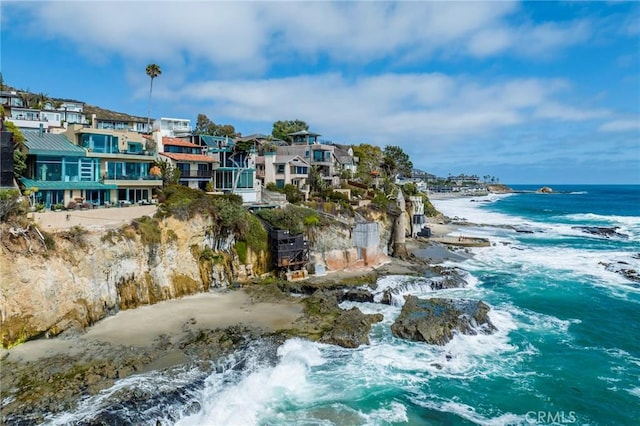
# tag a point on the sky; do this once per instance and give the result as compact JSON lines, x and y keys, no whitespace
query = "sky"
{"x":528,"y":92}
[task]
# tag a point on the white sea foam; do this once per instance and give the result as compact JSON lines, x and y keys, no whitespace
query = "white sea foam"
{"x":470,"y":413}
{"x":634,"y":391}
{"x":245,"y":400}
{"x":394,"y":413}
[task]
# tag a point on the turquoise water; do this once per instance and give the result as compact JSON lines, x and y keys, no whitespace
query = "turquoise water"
{"x":567,"y":349}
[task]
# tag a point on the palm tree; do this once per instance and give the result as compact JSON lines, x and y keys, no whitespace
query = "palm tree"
{"x":153,"y":71}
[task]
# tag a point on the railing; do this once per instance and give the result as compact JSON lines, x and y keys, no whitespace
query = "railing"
{"x":111,"y":176}
{"x":31,"y":118}
{"x":196,"y":174}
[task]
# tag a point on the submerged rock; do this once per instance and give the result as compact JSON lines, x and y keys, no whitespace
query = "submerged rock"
{"x":435,"y":320}
{"x":624,"y":269}
{"x":602,"y":231}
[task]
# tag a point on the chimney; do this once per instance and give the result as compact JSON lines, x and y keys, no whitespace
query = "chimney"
{"x":41,"y":132}
{"x":94,"y":120}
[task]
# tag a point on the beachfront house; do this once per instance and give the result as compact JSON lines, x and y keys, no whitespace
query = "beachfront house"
{"x":235,"y":170}
{"x":124,"y":161}
{"x":60,"y":172}
{"x":196,"y":167}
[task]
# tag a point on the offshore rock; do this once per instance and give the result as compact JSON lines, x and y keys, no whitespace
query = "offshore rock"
{"x":435,"y":320}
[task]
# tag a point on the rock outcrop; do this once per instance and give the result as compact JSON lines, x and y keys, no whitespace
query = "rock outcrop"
{"x":325,"y":321}
{"x":435,"y":320}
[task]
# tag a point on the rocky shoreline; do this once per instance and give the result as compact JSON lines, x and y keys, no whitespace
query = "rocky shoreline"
{"x":49,"y":376}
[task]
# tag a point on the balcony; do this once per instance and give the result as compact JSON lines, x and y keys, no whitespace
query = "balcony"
{"x":196,"y":174}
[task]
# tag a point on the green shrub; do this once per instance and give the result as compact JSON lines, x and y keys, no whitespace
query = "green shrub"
{"x":295,"y":219}
{"x":241,"y":249}
{"x":11,"y":204}
{"x":148,"y":229}
{"x":76,"y":235}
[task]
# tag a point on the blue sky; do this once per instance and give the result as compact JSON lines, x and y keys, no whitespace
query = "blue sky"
{"x":530,"y":92}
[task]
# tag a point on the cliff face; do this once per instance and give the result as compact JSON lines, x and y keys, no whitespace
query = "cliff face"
{"x":89,"y":275}
{"x":358,"y":246}
{"x":92,"y":274}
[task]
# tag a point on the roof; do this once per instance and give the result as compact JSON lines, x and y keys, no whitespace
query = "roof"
{"x":179,"y":142}
{"x":303,"y":133}
{"x":295,"y":159}
{"x":45,"y":185}
{"x":51,"y":144}
{"x":189,"y":157}
{"x":214,"y":141}
{"x":255,"y":136}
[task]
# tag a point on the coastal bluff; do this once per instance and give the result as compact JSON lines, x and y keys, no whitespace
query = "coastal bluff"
{"x":76,"y":277}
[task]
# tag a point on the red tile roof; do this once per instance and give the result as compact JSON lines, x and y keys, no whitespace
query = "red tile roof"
{"x":178,"y":142}
{"x":189,"y":157}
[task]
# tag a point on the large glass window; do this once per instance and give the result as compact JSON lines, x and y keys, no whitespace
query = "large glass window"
{"x":106,"y":144}
{"x":226,"y":178}
{"x":65,"y":169}
{"x":127,"y":170}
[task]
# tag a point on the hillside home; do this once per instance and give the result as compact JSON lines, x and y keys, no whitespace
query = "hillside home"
{"x":196,"y":167}
{"x":283,"y":170}
{"x":60,"y":172}
{"x":262,"y":143}
{"x":21,"y":109}
{"x":346,"y":160}
{"x":173,"y":127}
{"x":111,"y":120}
{"x":305,"y":144}
{"x":124,"y":161}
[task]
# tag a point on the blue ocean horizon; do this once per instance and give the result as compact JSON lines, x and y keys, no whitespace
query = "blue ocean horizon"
{"x":567,"y":348}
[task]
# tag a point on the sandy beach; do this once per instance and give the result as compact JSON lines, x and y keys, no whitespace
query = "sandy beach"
{"x":143,"y":326}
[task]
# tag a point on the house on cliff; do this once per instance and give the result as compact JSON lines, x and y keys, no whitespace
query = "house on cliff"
{"x":124,"y":161}
{"x":60,"y":172}
{"x":196,"y":167}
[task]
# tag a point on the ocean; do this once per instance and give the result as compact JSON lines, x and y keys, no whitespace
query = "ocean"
{"x":567,"y":349}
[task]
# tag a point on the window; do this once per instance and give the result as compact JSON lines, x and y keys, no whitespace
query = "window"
{"x":106,"y":144}
{"x":280,"y":168}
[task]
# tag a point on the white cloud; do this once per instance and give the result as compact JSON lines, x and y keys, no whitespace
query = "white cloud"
{"x":252,"y":37}
{"x":621,"y":125}
{"x":388,"y":107}
{"x":558,"y":111}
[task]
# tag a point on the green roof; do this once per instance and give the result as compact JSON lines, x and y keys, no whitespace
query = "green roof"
{"x":51,"y":144}
{"x":47,"y":185}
